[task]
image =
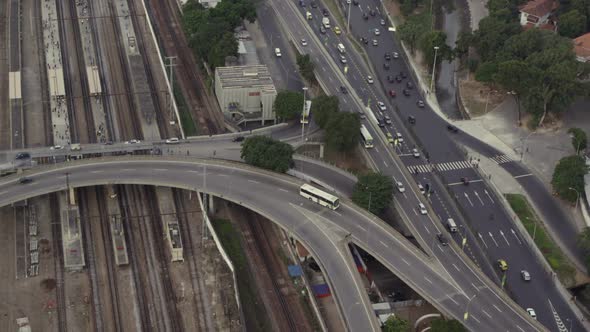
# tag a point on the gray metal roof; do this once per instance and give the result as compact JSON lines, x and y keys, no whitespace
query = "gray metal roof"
{"x":245,"y":77}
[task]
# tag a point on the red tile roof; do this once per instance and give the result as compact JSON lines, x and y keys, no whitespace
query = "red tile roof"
{"x":539,"y":8}
{"x":582,"y":46}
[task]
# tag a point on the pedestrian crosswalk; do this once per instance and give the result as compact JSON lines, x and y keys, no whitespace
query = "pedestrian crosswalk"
{"x":441,"y":167}
{"x":501,"y":159}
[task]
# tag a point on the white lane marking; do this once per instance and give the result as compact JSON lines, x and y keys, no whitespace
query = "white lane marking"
{"x":128,"y":169}
{"x":330,"y":78}
{"x":428,"y":280}
{"x":384,"y":244}
{"x":522,"y":175}
{"x":456,"y":268}
{"x":405,"y":261}
{"x":3,"y":192}
{"x":426,"y":228}
{"x":475,"y":318}
{"x":337,"y":213}
{"x":96,"y":172}
{"x":493,"y":305}
{"x":324,"y":69}
{"x":160,"y":169}
{"x":385,"y":163}
{"x":221,"y":174}
{"x":284,"y":190}
{"x":486,"y":313}
{"x":361,"y":227}
{"x":520,"y":328}
{"x":345,"y":100}
{"x":196,"y":172}
{"x":253,"y":181}
{"x":450,"y":298}
{"x":476,"y":289}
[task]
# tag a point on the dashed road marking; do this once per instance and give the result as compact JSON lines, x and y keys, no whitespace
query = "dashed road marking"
{"x":522,"y":175}
{"x":493,"y":305}
{"x":486,"y":313}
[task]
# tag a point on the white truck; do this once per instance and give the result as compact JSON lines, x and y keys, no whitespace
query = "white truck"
{"x":326,"y":22}
{"x":341,"y":48}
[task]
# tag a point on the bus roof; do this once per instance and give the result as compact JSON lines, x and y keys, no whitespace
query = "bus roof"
{"x":317,"y":191}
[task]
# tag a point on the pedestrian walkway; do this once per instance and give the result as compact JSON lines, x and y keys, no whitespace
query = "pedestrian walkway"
{"x":441,"y":167}
{"x":501,"y":159}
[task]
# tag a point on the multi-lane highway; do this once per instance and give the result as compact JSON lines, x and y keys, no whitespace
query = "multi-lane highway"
{"x":489,"y":230}
{"x":325,"y":231}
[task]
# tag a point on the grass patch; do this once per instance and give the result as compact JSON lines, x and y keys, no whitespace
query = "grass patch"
{"x":186,"y":119}
{"x":557,"y":260}
{"x":251,"y":304}
{"x":333,"y":8}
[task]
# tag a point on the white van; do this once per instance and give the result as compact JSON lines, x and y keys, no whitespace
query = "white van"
{"x":341,"y":48}
{"x":452,"y":226}
{"x":278,"y":52}
{"x":308,"y":15}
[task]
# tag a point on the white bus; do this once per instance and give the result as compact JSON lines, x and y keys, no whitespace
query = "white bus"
{"x":319,"y":196}
{"x":367,"y":138}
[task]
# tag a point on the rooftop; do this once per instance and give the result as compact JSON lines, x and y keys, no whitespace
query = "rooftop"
{"x":245,"y":76}
{"x":582,"y":46}
{"x":539,"y":8}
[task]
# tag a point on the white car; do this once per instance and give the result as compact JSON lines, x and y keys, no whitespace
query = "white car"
{"x":526,"y":276}
{"x":381,"y":106}
{"x":400,"y":187}
{"x":133,"y":141}
{"x":173,"y":140}
{"x":303,"y":42}
{"x":422,"y":209}
{"x":370,"y":79}
{"x":377,"y":32}
{"x":421,"y":188}
{"x":278,"y":52}
{"x":532,"y":312}
{"x":399,"y":137}
{"x":342,"y":59}
{"x":395,"y":55}
{"x":56,"y":147}
{"x":375,"y":42}
{"x":415,"y":153}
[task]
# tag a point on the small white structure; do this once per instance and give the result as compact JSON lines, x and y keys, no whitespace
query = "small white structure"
{"x":538,"y":14}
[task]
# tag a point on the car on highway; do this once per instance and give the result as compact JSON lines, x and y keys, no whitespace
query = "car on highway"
{"x":365,"y":16}
{"x":526,"y":276}
{"x":400,"y":187}
{"x":409,"y":85}
{"x":355,"y":2}
{"x":381,"y":106}
{"x":395,"y":55}
{"x":386,"y":66}
{"x":532,"y":313}
{"x":387,"y":120}
{"x":370,"y":79}
{"x":22,"y":155}
{"x":303,"y":42}
{"x":278,"y":52}
{"x":377,"y":32}
{"x":380,"y":123}
{"x":342,"y":59}
{"x":422,"y":209}
{"x":173,"y":140}
{"x":364,"y":40}
{"x":389,"y":137}
{"x":325,"y":12}
{"x":392,"y":93}
{"x":415,"y":153}
{"x":133,"y":141}
{"x":390,"y":79}
{"x":406,"y":92}
{"x":465,"y":181}
{"x":420,"y":103}
{"x":399,"y":137}
{"x":337,"y":30}
{"x":313,"y":4}
{"x":322,"y":29}
{"x":502,"y":265}
{"x":398,"y":78}
{"x":108,"y":143}
{"x":372,"y":12}
{"x":403,"y":74}
{"x":375,"y":42}
{"x":343,"y":89}
{"x":387,"y":56}
{"x":452,"y":128}
{"x":442,"y":239}
{"x":362,"y":114}
{"x":25,"y":180}
{"x":382,"y":22}
{"x":56,"y":147}
{"x":238,"y":139}
{"x":301,"y":3}
{"x":411,"y":119}
{"x":421,"y":189}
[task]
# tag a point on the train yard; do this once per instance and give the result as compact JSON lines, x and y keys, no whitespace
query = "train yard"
{"x":114,"y":258}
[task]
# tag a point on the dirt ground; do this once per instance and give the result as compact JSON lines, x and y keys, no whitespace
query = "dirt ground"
{"x":351,"y":161}
{"x":479,"y":98}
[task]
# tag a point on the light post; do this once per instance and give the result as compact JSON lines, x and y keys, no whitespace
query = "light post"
{"x":466,"y":314}
{"x":303,"y":117}
{"x":433,"y":67}
{"x":577,"y":196}
{"x":522,"y":148}
{"x":348,"y":19}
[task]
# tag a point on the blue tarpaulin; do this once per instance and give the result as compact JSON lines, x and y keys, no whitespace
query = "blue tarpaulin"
{"x":295,"y":270}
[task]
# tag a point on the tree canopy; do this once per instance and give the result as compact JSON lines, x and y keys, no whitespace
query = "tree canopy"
{"x":442,"y":325}
{"x":288,"y":105}
{"x":396,"y":324}
{"x":584,"y":245}
{"x":263,"y":151}
{"x":431,"y":40}
{"x":343,"y":131}
{"x":569,"y":173}
{"x":374,"y":189}
{"x":579,"y":139}
{"x":322,"y":109}
{"x":306,"y":67}
{"x":572,"y":24}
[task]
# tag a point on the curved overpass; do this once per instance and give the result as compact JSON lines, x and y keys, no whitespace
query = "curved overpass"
{"x":323,"y":231}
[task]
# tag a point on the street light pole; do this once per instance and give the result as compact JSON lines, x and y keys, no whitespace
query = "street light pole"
{"x":433,"y":67}
{"x":348,"y":19}
{"x":577,"y":196}
{"x":303,"y":117}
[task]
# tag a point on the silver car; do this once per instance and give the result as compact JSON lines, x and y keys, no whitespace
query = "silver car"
{"x":400,"y":187}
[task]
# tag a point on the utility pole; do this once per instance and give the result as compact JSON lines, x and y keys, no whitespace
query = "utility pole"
{"x":304,"y":117}
{"x":170,"y":64}
{"x":433,"y":67}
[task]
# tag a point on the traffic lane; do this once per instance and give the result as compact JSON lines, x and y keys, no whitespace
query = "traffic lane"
{"x":336,"y":180}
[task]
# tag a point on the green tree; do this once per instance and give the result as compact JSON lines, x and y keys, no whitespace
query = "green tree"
{"x":226,"y":46}
{"x":584,"y":245}
{"x":572,"y":24}
{"x":306,"y":67}
{"x":491,"y":35}
{"x":322,"y":109}
{"x":443,"y":325}
{"x":374,"y":190}
{"x":463,"y":43}
{"x":396,"y":324}
{"x":410,"y":32}
{"x":568,"y":177}
{"x":485,"y":72}
{"x":263,"y":151}
{"x":579,"y":139}
{"x":431,"y":40}
{"x":288,"y":104}
{"x":343,"y":131}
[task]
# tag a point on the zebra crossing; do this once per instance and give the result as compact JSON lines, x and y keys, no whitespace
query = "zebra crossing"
{"x":501,"y":159}
{"x":441,"y":167}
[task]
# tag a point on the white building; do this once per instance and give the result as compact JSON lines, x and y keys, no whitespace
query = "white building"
{"x":538,"y":14}
{"x":245,"y":93}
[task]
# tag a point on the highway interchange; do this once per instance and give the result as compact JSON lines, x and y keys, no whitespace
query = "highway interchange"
{"x":325,"y":232}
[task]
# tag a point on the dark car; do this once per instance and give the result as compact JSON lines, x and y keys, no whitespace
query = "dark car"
{"x":442,"y":239}
{"x":313,"y":4}
{"x":372,"y":12}
{"x":238,"y":139}
{"x":22,"y":155}
{"x":364,"y":40}
{"x":387,"y":56}
{"x":392,"y":93}
{"x":409,"y":85}
{"x":325,"y":12}
{"x":411,"y":119}
{"x":381,"y":123}
{"x":390,"y":79}
{"x":25,"y":180}
{"x":322,"y":29}
{"x":452,"y":128}
{"x":365,"y":16}
{"x":301,"y":3}
{"x":343,"y":89}
{"x":398,"y":79}
{"x":465,"y":181}
{"x":402,"y":74}
{"x":386,"y":66}
{"x":420,"y":103}
{"x":406,"y":92}
{"x":355,"y":2}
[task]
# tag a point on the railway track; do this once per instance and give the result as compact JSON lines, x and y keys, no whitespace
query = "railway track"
{"x":60,"y":293}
